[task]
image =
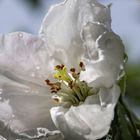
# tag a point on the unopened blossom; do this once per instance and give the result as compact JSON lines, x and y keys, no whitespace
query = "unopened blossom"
{"x":72,"y":33}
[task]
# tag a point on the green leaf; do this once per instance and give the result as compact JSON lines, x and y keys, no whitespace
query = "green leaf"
{"x":122,"y":81}
{"x":122,"y":84}
{"x":125,"y":57}
{"x":125,"y":125}
{"x":136,"y":123}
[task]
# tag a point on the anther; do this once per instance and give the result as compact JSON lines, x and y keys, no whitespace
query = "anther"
{"x":59,"y":67}
{"x":72,"y":70}
{"x":48,"y":82}
{"x":55,"y":87}
{"x":56,"y":98}
{"x":82,"y":66}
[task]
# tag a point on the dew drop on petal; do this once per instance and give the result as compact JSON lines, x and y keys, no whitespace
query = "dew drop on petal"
{"x":32,"y":74}
{"x":27,"y":91}
{"x":20,"y":35}
{"x":13,"y":116}
{"x":0,"y":94}
{"x":70,"y":6}
{"x":1,"y":91}
{"x":93,"y":4}
{"x":37,"y":68}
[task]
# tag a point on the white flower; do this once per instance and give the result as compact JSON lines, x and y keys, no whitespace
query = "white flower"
{"x":74,"y":31}
{"x":102,"y":53}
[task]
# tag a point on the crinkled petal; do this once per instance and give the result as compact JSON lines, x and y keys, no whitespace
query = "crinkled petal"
{"x":42,"y":134}
{"x":62,"y":31}
{"x":103,"y":58}
{"x":89,"y":121}
{"x":83,"y":32}
{"x":33,"y":134}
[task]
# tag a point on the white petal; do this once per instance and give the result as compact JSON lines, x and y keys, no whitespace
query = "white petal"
{"x":62,"y":31}
{"x":24,"y":55}
{"x":90,"y":33}
{"x":42,"y":134}
{"x":84,"y":28}
{"x":87,"y":121}
{"x":21,"y":111}
{"x":5,"y":111}
{"x":104,"y":60}
{"x":24,"y":96}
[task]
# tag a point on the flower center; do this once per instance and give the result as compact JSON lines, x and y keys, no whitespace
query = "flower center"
{"x":69,"y":90}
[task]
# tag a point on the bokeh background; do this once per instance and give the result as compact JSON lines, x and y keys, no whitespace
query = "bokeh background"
{"x":27,"y":15}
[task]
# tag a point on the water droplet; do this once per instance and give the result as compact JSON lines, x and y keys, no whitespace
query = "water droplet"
{"x":27,"y":90}
{"x":93,"y":4}
{"x":13,"y":116}
{"x":20,"y":35}
{"x":37,"y":67}
{"x":33,"y":74}
{"x":70,"y":6}
{"x":1,"y":91}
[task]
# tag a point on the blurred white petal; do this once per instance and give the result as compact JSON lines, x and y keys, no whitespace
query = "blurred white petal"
{"x":24,"y":65}
{"x":24,"y":55}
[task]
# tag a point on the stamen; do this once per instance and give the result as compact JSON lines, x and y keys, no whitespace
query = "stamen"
{"x":82,"y":66}
{"x":70,"y":90}
{"x":56,"y":98}
{"x":73,"y":70}
{"x":70,"y":84}
{"x":74,"y":74}
{"x":59,"y":67}
{"x":55,"y":87}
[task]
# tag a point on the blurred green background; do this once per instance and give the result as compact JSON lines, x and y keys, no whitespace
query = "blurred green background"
{"x":27,"y":15}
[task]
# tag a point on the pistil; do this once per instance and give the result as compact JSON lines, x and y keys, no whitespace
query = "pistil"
{"x":69,"y":90}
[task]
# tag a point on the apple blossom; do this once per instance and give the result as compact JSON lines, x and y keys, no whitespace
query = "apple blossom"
{"x":73,"y":32}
